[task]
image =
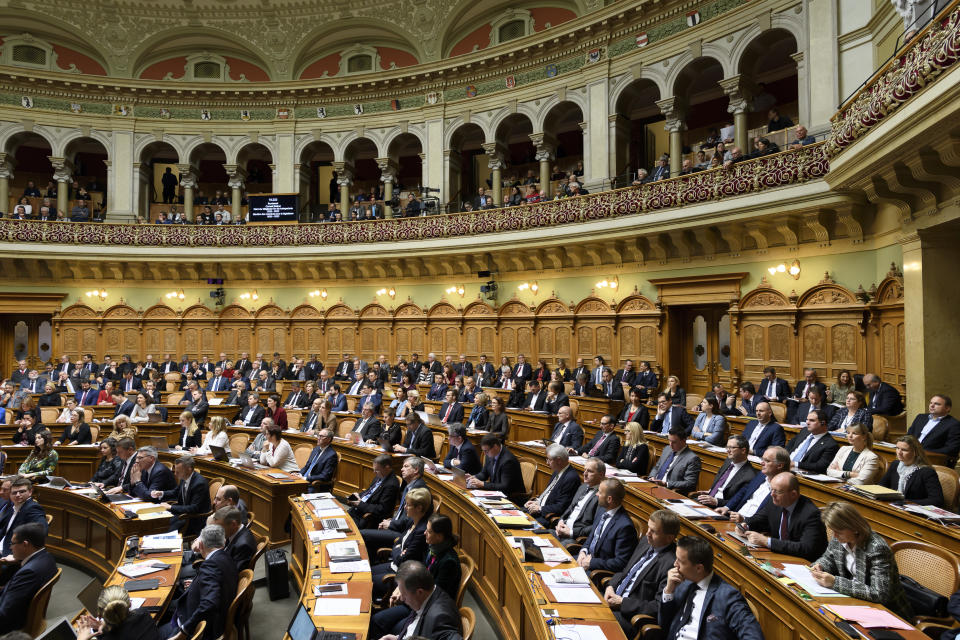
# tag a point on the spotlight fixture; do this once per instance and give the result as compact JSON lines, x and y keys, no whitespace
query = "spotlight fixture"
{"x":457,"y":288}
{"x":611,"y":283}
{"x":100,"y":294}
{"x":176,"y":294}
{"x":793,"y":270}
{"x":529,"y":286}
{"x":387,"y":292}
{"x":319,"y":293}
{"x":250,"y":295}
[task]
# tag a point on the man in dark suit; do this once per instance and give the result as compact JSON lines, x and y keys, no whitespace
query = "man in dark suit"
{"x":419,"y":440}
{"x":535,"y":398}
{"x":238,"y":396}
{"x":198,"y":407}
{"x":123,"y":403}
{"x":636,"y":588}
{"x":64,"y":366}
{"x":127,"y":453}
{"x":33,"y":383}
{"x":461,"y":452}
{"x":884,"y":399}
{"x":313,"y":367}
{"x":129,"y":383}
{"x":567,"y":432}
{"x":218,"y":382}
{"x":168,"y":365}
{"x":646,"y":378}
{"x":463,"y":367}
{"x":321,"y":467}
{"x":438,"y":390}
{"x":485,"y":370}
{"x":790,"y":524}
{"x":432,"y":365}
{"x":344,"y":370}
{"x":800,"y":391}
{"x":411,"y":472}
{"x":613,"y":538}
{"x":85,"y":395}
{"x":764,"y":432}
{"x":556,"y":398}
{"x":749,"y":399}
{"x":669,"y":416}
{"x":735,"y":473}
{"x":522,"y":370}
{"x":578,"y":519}
{"x":434,"y":613}
{"x":813,"y":449}
{"x":612,"y":390}
{"x":451,"y":411}
{"x":755,"y":495}
{"x":773,"y":388}
{"x":241,"y":543}
{"x":252,"y":414}
{"x":605,"y":444}
{"x":359,"y":381}
{"x":678,"y":468}
{"x":367,"y":426}
{"x":296,"y":399}
{"x":580,"y":368}
{"x":34,"y":568}
{"x":377,"y":501}
{"x":190,"y":497}
{"x":337,"y":399}
{"x":148,"y":475}
{"x":414,"y":367}
{"x":24,"y":509}
{"x":720,"y":613}
{"x":229,"y":496}
{"x":814,"y":402}
{"x":627,"y":374}
{"x":211,"y":592}
{"x":938,"y":431}
{"x":501,"y":470}
{"x":563,"y":485}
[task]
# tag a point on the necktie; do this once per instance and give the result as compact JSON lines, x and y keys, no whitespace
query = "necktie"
{"x":665,"y":465}
{"x":296,"y":399}
{"x":609,"y":389}
{"x":600,"y":527}
{"x":596,"y":447}
{"x":447,"y":414}
{"x":667,"y":422}
{"x":688,"y":606}
{"x":546,"y":492}
{"x":559,"y":437}
{"x":719,"y":483}
{"x":802,"y":451}
{"x":783,"y":526}
{"x":403,"y":502}
{"x":369,"y":492}
{"x":313,"y":465}
{"x":311,"y":421}
{"x":626,"y":585}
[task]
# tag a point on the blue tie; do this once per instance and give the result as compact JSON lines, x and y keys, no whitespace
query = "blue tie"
{"x":599,"y":532}
{"x":403,"y":501}
{"x":667,"y":421}
{"x":369,"y":492}
{"x":627,"y":583}
{"x":313,"y":465}
{"x":803,"y":449}
{"x":665,"y":465}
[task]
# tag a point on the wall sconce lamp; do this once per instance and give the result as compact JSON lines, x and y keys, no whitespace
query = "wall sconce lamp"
{"x":458,"y":288}
{"x":387,"y":292}
{"x":176,"y":294}
{"x":612,"y":283}
{"x":532,"y":286}
{"x":793,"y":270}
{"x":319,"y":293}
{"x":100,"y":294}
{"x":250,"y":295}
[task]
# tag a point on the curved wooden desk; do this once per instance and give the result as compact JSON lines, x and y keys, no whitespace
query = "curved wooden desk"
{"x":503,"y":581}
{"x":784,"y":614}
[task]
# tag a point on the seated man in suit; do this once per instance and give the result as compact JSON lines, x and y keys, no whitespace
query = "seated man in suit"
{"x":461,"y":453}
{"x":669,"y":415}
{"x":367,"y":426}
{"x":755,"y":495}
{"x":127,"y":454}
{"x":34,"y":567}
{"x":229,"y":496}
{"x":563,"y":484}
{"x":613,"y":537}
{"x":884,"y":399}
{"x":678,"y":468}
{"x":389,"y":528}
{"x":567,"y":432}
{"x":720,"y":613}
{"x":735,"y":473}
{"x":148,"y":475}
{"x":321,"y":467}
{"x":773,"y":388}
{"x":218,"y":382}
{"x":238,"y":397}
{"x":85,"y":395}
{"x":576,"y":521}
{"x":535,"y":398}
{"x":296,"y":399}
{"x":749,"y":400}
{"x":252,"y":414}
{"x":556,"y":398}
{"x":359,"y":381}
{"x":790,"y":524}
{"x":419,"y":440}
{"x":337,"y":399}
{"x":764,"y":432}
{"x":129,"y":383}
{"x":241,"y":543}
{"x":198,"y":407}
{"x":938,"y":431}
{"x":637,"y":587}
{"x":450,"y":411}
{"x":604,"y":445}
{"x":612,"y":390}
{"x":209,"y":595}
{"x":814,"y":402}
{"x":123,"y":403}
{"x":377,"y":501}
{"x":435,"y":614}
{"x":501,"y":470}
{"x":469,"y":390}
{"x":190,"y":497}
{"x":627,"y":374}
{"x":438,"y":390}
{"x":813,"y":449}
{"x":23,"y":509}
{"x":370,"y":396}
{"x":800,"y":391}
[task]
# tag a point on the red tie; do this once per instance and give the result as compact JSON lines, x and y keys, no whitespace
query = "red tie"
{"x":447,"y":414}
{"x":783,"y":525}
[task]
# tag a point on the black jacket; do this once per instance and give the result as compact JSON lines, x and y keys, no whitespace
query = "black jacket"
{"x":505,"y":476}
{"x":608,"y":449}
{"x":649,"y":584}
{"x":923,"y":486}
{"x":380,"y":503}
{"x":242,"y":548}
{"x":635,"y":458}
{"x":209,"y":596}
{"x":440,"y":619}
{"x":468,"y":456}
{"x":420,"y":442}
{"x":197,"y":500}
{"x":806,"y":535}
{"x":819,"y":456}
{"x":16,"y":597}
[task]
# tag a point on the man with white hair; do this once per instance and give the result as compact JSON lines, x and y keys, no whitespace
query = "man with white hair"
{"x":563,"y":484}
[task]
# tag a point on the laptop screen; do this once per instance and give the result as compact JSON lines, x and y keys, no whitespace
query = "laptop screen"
{"x":302,"y":627}
{"x":63,"y":630}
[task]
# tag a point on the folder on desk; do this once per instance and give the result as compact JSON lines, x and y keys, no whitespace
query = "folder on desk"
{"x":513,"y":522}
{"x":877,"y":492}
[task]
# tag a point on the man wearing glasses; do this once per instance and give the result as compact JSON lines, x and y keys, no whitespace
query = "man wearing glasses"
{"x":735,"y":473}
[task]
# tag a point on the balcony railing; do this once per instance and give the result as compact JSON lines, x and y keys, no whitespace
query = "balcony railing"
{"x":749,"y":176}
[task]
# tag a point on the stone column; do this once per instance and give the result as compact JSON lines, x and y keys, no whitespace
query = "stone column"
{"x":545,"y":144}
{"x":739,"y":105}
{"x":496,"y":163}
{"x":188,"y":180}
{"x":235,"y":179}
{"x":388,"y":175}
{"x":62,"y":170}
{"x":424,"y":172}
{"x":344,"y":180}
{"x":803,"y":96}
{"x":931,"y":297}
{"x":675,"y":111}
{"x":618,"y":139}
{"x":454,"y":185}
{"x":6,"y":174}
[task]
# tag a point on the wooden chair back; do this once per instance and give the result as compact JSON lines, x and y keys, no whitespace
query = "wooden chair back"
{"x":652,"y":458}
{"x":238,"y":443}
{"x":438,"y":443}
{"x":236,"y":610}
{"x":779,"y":411}
{"x":87,"y":414}
{"x":693,"y":401}
{"x":215,"y":484}
{"x":469,"y":621}
{"x":568,"y":387}
{"x":293,"y":420}
{"x":262,"y":546}
{"x":345,"y":426}
{"x":352,"y":403}
{"x":934,"y":567}
{"x":49,"y":518}
{"x":36,"y":621}
{"x":48,"y":415}
{"x":467,"y":566}
{"x":574,"y":407}
{"x":437,"y":501}
{"x":949,"y":479}
{"x":302,"y":453}
{"x":94,"y":433}
{"x":881,"y":428}
{"x":198,"y":632}
{"x":528,"y":469}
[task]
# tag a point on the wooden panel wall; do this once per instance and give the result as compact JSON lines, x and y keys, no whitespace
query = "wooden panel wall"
{"x":826,"y":327}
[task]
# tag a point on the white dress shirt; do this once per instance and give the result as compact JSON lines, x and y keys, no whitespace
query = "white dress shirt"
{"x":691,"y":630}
{"x":750,"y":507}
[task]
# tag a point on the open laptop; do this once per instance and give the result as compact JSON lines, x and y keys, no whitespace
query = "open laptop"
{"x":89,"y":596}
{"x":58,"y":483}
{"x":159,"y":443}
{"x":430,"y":419}
{"x":302,"y":627}
{"x":247,"y":462}
{"x":115,"y":497}
{"x":62,"y":630}
{"x":219,"y":453}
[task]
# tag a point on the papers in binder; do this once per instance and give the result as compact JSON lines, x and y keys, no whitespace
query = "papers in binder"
{"x":869,"y":617}
{"x":800,"y":574}
{"x":691,"y":512}
{"x":821,"y":477}
{"x":581,"y":595}
{"x":483,"y":493}
{"x":578,"y":632}
{"x":138,"y":569}
{"x":517,"y":541}
{"x":161,"y":542}
{"x":331,"y":534}
{"x":154,"y":515}
{"x":324,"y":503}
{"x":565,"y":578}
{"x":337,"y":607}
{"x":343,"y":551}
{"x":931,"y":511}
{"x":357,"y":566}
{"x":512,"y":521}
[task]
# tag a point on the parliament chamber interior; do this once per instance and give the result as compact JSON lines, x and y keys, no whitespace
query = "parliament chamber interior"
{"x":537,"y":320}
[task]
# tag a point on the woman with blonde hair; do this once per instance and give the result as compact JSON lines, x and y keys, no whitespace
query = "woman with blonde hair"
{"x":912,"y":475}
{"x":50,"y":397}
{"x":117,"y":620}
{"x":634,"y":454}
{"x":217,"y":436}
{"x":858,"y":562}
{"x":856,"y":463}
{"x":189,"y":432}
{"x":122,"y":428}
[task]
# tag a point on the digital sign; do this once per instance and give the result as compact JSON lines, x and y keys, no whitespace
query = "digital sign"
{"x":272,"y":207}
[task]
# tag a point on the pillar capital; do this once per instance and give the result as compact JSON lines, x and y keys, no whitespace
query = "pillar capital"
{"x":188,"y":178}
{"x":545,"y":144}
{"x":388,"y":170}
{"x":674,"y":109}
{"x":344,"y":173}
{"x":62,"y":169}
{"x":236,"y":175}
{"x":735,"y":89}
{"x":6,"y":165}
{"x":496,"y":154}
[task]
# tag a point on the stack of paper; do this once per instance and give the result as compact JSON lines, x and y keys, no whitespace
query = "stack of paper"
{"x":821,"y":477}
{"x":162,"y":542}
{"x":337,"y":607}
{"x":356,"y":566}
{"x":931,"y":511}
{"x":331,"y":534}
{"x":800,"y":574}
{"x":343,"y":551}
{"x":578,"y":632}
{"x":324,"y":503}
{"x":517,"y":541}
{"x":570,"y":585}
{"x":483,"y":493}
{"x":137,"y":569}
{"x":869,"y":617}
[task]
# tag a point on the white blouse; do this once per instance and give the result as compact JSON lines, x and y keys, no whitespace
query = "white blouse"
{"x":280,"y":457}
{"x":221,"y":440}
